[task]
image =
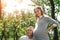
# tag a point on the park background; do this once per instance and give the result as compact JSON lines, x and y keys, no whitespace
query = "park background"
{"x":17,"y":15}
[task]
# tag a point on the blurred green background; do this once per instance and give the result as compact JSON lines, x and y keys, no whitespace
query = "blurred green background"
{"x":13,"y":27}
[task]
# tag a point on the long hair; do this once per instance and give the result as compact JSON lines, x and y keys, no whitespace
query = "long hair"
{"x":40,"y":8}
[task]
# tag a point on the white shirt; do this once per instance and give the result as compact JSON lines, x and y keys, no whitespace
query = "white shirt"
{"x":36,"y":25}
{"x":25,"y":38}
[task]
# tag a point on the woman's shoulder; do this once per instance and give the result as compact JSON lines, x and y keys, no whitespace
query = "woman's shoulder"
{"x":23,"y":37}
{"x":46,"y":16}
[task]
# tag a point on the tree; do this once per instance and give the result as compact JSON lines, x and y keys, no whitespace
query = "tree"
{"x":53,"y":16}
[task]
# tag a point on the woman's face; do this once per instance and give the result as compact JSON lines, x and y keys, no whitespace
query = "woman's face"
{"x":37,"y":12}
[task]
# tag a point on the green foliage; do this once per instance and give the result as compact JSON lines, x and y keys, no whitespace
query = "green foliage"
{"x":57,"y":2}
{"x":41,"y":2}
{"x":16,"y":26}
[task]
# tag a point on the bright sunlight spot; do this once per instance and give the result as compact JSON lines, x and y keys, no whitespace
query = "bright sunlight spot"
{"x":16,"y":5}
{"x":11,"y":5}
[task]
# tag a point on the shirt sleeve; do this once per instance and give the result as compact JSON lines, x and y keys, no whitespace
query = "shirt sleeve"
{"x":21,"y":38}
{"x":54,"y":22}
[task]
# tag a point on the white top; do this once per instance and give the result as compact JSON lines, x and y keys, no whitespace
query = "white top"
{"x":36,"y":25}
{"x":25,"y":38}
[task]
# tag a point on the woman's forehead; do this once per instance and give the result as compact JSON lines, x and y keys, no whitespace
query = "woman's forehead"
{"x":36,"y":9}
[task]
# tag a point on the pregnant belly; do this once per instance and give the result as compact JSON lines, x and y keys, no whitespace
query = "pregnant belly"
{"x":39,"y":30}
{"x":38,"y":34}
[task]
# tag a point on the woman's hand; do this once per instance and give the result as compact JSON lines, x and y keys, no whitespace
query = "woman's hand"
{"x":47,"y":32}
{"x":51,"y":27}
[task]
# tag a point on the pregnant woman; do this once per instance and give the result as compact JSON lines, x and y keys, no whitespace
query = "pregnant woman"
{"x":41,"y":27}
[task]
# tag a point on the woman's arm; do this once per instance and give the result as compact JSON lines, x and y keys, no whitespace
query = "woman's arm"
{"x":54,"y":24}
{"x":52,"y":21}
{"x":51,"y":27}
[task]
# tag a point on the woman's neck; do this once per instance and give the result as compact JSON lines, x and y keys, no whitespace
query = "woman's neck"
{"x":39,"y":17}
{"x":30,"y":37}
